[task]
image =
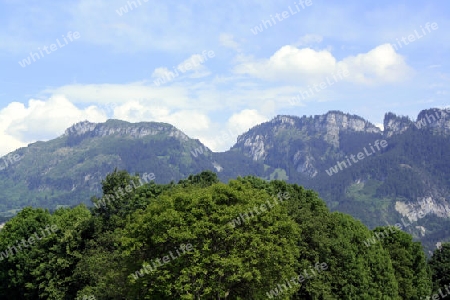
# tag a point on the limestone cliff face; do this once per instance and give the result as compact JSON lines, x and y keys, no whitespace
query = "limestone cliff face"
{"x":120,"y":128}
{"x":255,"y":147}
{"x":335,"y":122}
{"x":423,"y":207}
{"x":258,"y":142}
{"x":434,"y":118}
{"x":394,"y":124}
{"x":305,"y":164}
{"x":427,"y":205}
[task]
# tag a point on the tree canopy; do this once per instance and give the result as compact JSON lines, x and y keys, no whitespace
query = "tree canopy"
{"x":202,"y":239}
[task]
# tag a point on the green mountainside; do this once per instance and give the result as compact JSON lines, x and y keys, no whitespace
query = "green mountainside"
{"x":389,"y":186}
{"x":68,"y":170}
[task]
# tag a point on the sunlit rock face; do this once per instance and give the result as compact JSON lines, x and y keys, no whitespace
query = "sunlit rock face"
{"x":258,"y":142}
{"x":120,"y":128}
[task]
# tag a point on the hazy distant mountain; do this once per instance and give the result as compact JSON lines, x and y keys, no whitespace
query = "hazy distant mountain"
{"x":377,"y":176}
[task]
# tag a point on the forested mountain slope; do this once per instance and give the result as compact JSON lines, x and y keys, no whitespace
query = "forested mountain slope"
{"x":379,"y":177}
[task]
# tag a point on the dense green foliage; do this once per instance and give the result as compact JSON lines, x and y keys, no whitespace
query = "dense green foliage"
{"x":115,"y":251}
{"x":440,"y":266}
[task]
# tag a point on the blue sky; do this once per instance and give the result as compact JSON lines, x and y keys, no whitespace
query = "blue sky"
{"x":224,"y":76}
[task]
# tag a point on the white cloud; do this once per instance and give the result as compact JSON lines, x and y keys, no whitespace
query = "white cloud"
{"x":246,"y":119}
{"x":188,"y":121}
{"x":221,"y":138}
{"x":380,"y":65}
{"x":134,"y":111}
{"x":380,"y":125}
{"x":290,"y":64}
{"x":41,"y":120}
{"x":193,"y":63}
{"x":227,"y":40}
{"x":196,"y":64}
{"x":161,"y":72}
{"x":116,"y":94}
{"x":193,"y":67}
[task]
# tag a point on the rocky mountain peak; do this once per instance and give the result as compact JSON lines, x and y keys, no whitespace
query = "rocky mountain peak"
{"x":80,"y":128}
{"x":257,"y":141}
{"x":334,"y":122}
{"x":123,"y":128}
{"x":282,"y":119}
{"x":394,"y":124}
{"x":435,"y":118}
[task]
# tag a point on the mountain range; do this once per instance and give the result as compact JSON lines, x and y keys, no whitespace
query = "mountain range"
{"x":378,"y":176}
